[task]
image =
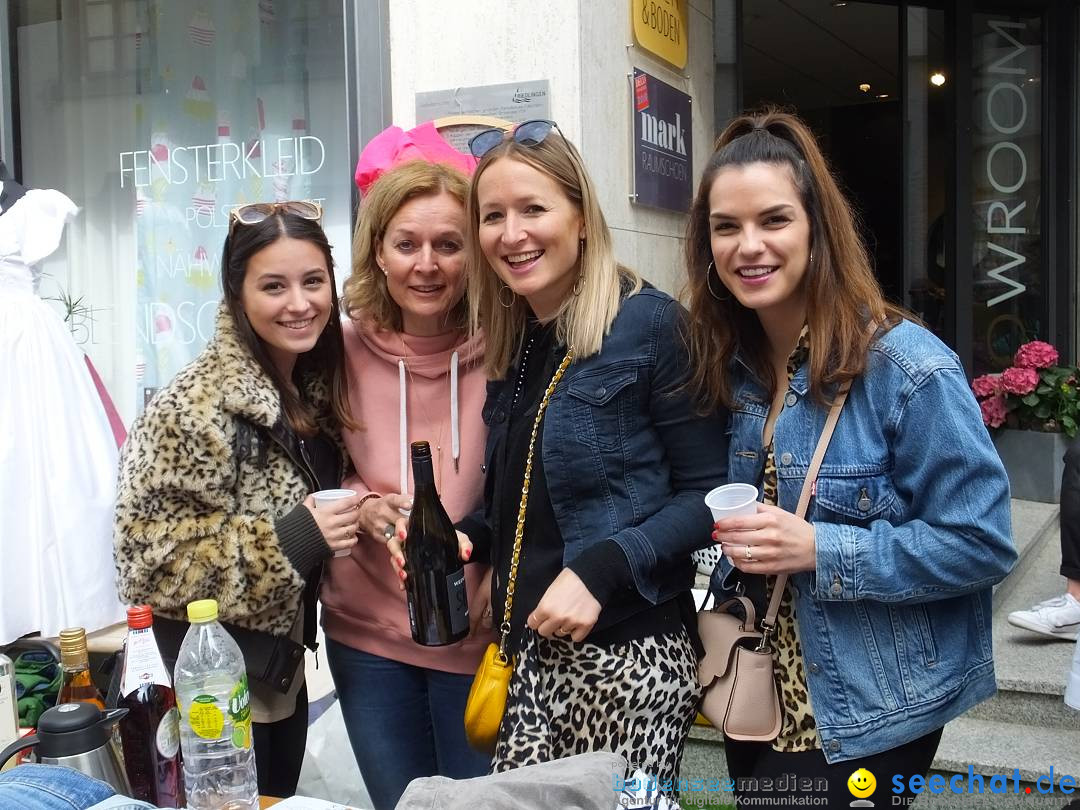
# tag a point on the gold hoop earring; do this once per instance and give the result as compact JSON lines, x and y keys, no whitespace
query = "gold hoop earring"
{"x":709,"y":273}
{"x":502,"y":300}
{"x":579,"y":283}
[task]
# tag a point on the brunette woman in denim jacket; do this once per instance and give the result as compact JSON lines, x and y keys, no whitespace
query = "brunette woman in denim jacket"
{"x":602,"y":623}
{"x":884,"y":629}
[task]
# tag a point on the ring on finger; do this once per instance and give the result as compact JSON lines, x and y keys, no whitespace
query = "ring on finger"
{"x":747,"y":555}
{"x":388,"y":532}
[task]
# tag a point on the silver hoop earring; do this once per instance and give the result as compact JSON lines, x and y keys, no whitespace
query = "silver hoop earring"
{"x":502,"y":300}
{"x":710,"y":273}
{"x":579,"y":283}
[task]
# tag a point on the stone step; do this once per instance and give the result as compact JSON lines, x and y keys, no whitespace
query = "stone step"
{"x":993,"y":748}
{"x":990,"y":748}
{"x":1031,"y":669}
{"x":1032,"y":524}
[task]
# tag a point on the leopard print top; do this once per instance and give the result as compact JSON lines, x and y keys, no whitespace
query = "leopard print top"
{"x":799,"y":731}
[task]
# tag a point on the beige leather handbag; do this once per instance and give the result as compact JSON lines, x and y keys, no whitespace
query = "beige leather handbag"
{"x":742,"y":697}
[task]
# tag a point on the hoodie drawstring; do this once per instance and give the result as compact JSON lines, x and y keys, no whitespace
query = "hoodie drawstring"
{"x":403,"y":429}
{"x":455,"y":434}
{"x":403,"y":420}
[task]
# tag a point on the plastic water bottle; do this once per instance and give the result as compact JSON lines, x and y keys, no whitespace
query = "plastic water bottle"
{"x":215,"y":716}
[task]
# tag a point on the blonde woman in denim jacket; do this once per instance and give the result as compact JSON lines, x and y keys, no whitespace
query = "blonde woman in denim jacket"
{"x":884,"y":629}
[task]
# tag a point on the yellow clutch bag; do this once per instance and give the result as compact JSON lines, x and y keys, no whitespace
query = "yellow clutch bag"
{"x":487,"y":700}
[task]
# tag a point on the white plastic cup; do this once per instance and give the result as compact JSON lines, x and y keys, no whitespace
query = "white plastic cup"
{"x":324,"y":498}
{"x":732,"y":500}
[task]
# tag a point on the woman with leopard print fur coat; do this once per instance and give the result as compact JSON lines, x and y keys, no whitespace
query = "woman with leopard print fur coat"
{"x":216,"y":477}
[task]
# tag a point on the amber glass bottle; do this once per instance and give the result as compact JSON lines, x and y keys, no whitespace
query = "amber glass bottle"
{"x":78,"y":687}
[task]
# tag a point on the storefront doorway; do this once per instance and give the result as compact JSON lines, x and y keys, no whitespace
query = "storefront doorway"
{"x":952,"y":126}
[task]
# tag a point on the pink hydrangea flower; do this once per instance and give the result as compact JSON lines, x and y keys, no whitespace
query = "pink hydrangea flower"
{"x":1020,"y":381}
{"x":993,"y":411}
{"x":1036,"y":354}
{"x":987,"y":385}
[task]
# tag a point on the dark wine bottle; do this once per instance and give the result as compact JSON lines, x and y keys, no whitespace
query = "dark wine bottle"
{"x":435,"y":587}
{"x":150,"y":733}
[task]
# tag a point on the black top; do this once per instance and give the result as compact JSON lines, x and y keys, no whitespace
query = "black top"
{"x":602,"y":567}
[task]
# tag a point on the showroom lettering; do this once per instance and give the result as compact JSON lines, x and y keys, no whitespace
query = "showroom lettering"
{"x":1006,"y":176}
{"x":215,"y":162}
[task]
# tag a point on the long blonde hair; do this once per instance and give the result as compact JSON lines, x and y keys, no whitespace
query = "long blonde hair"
{"x":365,"y":294}
{"x":585,"y":316}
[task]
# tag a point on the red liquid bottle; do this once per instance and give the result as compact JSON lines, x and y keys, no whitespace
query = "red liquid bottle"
{"x":150,"y":733}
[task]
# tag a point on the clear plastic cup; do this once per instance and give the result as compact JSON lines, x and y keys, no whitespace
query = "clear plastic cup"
{"x":732,"y":500}
{"x":324,"y":499}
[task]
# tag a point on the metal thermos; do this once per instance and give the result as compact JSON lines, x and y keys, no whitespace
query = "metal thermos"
{"x":79,"y":736}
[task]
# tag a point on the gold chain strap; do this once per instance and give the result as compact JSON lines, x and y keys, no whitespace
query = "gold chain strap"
{"x":519,"y":530}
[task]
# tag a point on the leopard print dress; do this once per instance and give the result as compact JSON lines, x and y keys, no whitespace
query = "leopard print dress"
{"x":637,"y":699}
{"x":799,"y":731}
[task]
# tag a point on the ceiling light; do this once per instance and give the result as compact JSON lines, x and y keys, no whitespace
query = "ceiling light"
{"x":882,"y":95}
{"x":937,"y":78}
{"x":864,"y":87}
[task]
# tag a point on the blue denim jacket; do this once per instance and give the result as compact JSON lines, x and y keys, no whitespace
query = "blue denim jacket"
{"x":51,"y":787}
{"x":912,"y":525}
{"x":624,"y":452}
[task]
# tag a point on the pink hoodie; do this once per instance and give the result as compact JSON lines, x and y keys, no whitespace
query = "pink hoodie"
{"x":362,"y":606}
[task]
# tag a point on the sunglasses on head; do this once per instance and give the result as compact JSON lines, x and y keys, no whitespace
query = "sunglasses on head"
{"x":527,"y":133}
{"x":254,"y":213}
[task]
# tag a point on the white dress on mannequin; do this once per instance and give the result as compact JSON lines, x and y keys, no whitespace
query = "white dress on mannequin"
{"x":58,"y":457}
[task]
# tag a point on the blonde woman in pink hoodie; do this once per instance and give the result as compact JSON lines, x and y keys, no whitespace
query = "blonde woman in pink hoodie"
{"x":415,"y":374}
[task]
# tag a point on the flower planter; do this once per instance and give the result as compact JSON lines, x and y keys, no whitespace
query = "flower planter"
{"x":1034,"y":462}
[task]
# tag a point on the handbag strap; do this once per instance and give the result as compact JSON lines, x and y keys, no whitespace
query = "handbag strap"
{"x":808,"y":489}
{"x":519,"y":529}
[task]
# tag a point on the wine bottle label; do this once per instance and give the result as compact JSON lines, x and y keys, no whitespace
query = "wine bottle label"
{"x":458,"y":601}
{"x":142,"y":662}
{"x":167,"y":738}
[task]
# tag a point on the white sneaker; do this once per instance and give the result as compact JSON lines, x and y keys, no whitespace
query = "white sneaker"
{"x":1058,"y":617}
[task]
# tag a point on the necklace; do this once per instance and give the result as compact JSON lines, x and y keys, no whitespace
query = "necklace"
{"x":426,"y":416}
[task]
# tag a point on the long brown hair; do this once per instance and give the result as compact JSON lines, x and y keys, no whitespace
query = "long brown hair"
{"x":327,"y":356}
{"x":842,"y":294}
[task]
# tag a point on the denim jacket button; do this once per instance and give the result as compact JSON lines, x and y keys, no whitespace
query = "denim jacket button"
{"x":834,"y":745}
{"x":864,"y":504}
{"x":837,"y":585}
{"x":786,"y":459}
{"x":814,"y":669}
{"x":791,"y":400}
{"x":601,"y":391}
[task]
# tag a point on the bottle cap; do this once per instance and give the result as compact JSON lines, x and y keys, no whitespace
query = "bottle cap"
{"x":420,"y":450}
{"x":204,"y":610}
{"x":139,"y":617}
{"x":72,"y":642}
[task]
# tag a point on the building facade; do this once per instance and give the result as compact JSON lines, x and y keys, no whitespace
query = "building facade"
{"x":158,"y":116}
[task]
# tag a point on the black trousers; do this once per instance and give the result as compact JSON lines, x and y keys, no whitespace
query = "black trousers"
{"x":1070,"y":513}
{"x":279,"y":750}
{"x":750,"y":764}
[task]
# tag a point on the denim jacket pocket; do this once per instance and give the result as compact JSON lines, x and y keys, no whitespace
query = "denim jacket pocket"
{"x":854,"y":499}
{"x":598,"y":403}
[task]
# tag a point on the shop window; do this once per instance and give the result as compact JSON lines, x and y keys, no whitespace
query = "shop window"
{"x":157,"y":117}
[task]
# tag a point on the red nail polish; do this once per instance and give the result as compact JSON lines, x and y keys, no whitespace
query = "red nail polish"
{"x":401,"y":534}
{"x":401,"y":574}
{"x":468,"y":553}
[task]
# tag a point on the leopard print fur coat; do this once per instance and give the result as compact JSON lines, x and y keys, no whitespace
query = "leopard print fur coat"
{"x":197,"y":504}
